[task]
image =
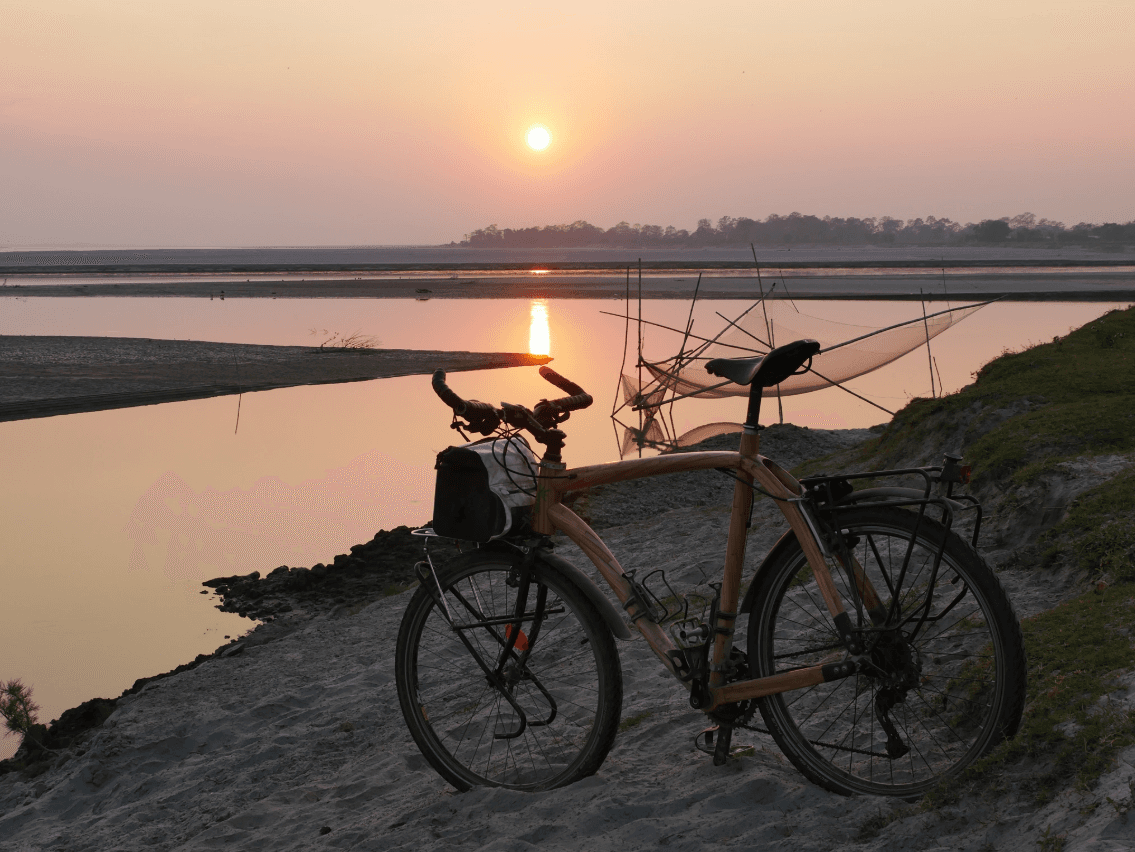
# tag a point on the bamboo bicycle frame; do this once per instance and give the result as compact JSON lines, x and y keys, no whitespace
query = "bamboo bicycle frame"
{"x":549,"y":515}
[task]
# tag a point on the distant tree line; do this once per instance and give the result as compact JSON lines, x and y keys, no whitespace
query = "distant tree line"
{"x":1025,"y":229}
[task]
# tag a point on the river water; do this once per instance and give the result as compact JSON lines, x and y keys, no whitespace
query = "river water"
{"x":112,"y":519}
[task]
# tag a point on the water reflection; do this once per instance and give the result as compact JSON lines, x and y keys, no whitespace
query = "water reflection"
{"x":539,"y":339}
{"x":192,"y":534}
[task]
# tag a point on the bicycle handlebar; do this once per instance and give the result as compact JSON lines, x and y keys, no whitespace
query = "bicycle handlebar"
{"x":481,"y":416}
{"x":484,"y":418}
{"x":579,"y":398}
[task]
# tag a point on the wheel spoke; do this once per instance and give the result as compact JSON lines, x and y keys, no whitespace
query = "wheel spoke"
{"x":948,"y":658}
{"x":541,"y":716}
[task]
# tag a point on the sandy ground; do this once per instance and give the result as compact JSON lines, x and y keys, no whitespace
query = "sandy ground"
{"x":45,"y":376}
{"x":292,"y":738}
{"x":1075,"y":284}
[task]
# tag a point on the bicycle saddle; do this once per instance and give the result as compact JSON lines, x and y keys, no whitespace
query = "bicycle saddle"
{"x":765,"y":370}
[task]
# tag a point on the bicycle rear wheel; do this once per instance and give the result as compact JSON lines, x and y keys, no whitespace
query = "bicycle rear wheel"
{"x":538,"y":715}
{"x":944,"y":679}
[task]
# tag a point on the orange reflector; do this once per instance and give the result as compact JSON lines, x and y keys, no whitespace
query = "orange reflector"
{"x":967,"y":470}
{"x":521,"y":640}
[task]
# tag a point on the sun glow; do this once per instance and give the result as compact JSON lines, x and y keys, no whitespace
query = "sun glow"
{"x":539,"y":339}
{"x":538,"y":137}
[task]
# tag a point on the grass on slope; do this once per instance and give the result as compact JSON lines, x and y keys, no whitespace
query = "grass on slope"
{"x":1027,"y":410}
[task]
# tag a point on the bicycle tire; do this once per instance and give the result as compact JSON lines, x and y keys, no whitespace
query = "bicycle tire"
{"x":962,"y":668}
{"x":568,"y":689}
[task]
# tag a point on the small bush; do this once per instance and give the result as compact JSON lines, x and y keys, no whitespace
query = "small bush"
{"x":17,"y":707}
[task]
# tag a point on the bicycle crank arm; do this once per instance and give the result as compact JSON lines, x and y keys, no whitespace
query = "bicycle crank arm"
{"x":783,"y":682}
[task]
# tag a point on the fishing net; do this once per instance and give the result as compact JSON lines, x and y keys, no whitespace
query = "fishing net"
{"x":847,"y":351}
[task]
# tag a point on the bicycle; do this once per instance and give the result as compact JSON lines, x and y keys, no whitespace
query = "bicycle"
{"x":881,"y":651}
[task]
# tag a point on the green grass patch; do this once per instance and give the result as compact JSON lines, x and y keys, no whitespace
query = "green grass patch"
{"x":1075,"y":652}
{"x":1027,"y":410}
{"x":1030,"y":443}
{"x":635,"y":720}
{"x":1098,"y":531}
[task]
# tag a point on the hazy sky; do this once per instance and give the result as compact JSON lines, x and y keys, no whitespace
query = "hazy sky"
{"x":216,"y":123}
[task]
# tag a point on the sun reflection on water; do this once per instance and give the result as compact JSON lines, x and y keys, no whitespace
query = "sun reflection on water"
{"x":539,"y":339}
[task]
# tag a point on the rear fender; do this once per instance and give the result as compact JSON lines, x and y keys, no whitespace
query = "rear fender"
{"x":866,"y":496}
{"x":785,"y":542}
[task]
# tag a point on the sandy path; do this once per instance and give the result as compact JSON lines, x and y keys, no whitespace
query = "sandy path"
{"x":253,"y":751}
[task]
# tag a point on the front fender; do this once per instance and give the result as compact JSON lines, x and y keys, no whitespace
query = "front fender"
{"x":585,"y":584}
{"x":594,"y":594}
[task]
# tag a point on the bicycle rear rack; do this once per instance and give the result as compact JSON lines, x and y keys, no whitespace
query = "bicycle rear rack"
{"x":831,"y":493}
{"x":826,"y":497}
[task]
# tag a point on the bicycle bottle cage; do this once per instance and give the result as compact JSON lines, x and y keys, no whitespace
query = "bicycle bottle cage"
{"x":480,"y":486}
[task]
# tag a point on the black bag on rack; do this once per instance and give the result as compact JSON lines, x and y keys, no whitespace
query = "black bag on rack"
{"x":480,"y":486}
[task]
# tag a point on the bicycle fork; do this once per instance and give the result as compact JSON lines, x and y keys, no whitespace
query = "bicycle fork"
{"x":507,"y":634}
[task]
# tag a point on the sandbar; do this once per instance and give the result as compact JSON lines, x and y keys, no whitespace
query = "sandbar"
{"x":43,"y":376}
{"x":1015,"y":284}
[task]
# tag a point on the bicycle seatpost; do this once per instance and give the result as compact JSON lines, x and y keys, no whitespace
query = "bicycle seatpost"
{"x":753,"y":413}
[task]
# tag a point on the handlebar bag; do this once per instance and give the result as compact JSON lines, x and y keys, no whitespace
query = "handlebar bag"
{"x":480,"y":485}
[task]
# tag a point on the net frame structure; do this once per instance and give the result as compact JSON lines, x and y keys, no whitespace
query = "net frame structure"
{"x":847,"y":352}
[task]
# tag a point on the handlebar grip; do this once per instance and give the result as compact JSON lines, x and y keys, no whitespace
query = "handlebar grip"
{"x":571,"y":403}
{"x":578,"y":398}
{"x":481,"y":416}
{"x":568,"y":387}
{"x":447,"y":395}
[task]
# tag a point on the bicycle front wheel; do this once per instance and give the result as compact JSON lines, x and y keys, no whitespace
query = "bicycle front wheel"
{"x":507,"y":680}
{"x":942,"y":678}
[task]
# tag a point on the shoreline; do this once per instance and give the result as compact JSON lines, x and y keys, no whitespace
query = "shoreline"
{"x":45,"y":376}
{"x":292,"y":736}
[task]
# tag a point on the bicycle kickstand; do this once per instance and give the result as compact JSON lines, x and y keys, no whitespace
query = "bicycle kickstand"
{"x":715,"y":740}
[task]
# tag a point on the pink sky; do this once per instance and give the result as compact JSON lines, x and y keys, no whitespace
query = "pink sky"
{"x":212,"y":123}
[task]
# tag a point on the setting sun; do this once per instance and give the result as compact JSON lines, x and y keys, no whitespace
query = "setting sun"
{"x":538,"y":137}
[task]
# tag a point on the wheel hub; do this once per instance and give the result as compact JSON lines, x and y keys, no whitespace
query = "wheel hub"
{"x":895,"y":664}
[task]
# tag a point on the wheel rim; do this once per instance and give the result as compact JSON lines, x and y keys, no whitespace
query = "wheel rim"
{"x":936,"y":680}
{"x":544,"y":733}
